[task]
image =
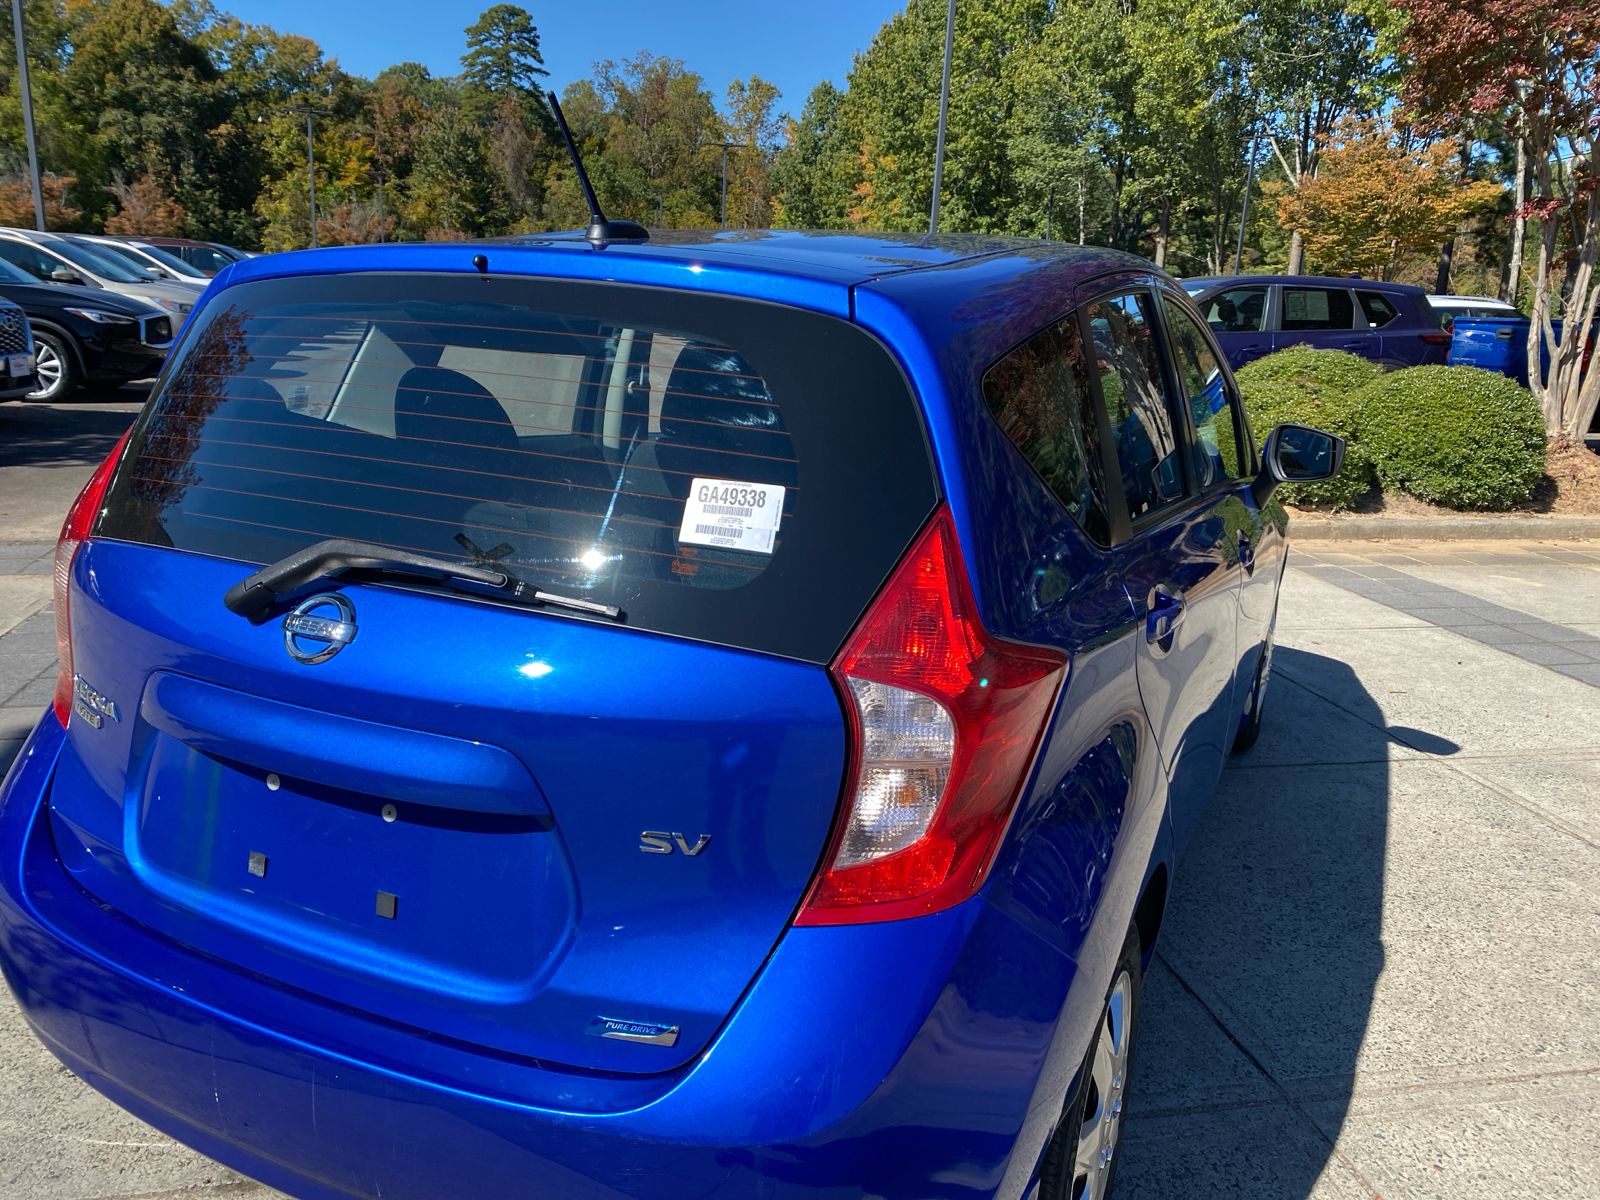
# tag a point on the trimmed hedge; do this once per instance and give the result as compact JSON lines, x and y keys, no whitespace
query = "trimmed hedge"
{"x":1456,"y":436}
{"x":1302,"y":386}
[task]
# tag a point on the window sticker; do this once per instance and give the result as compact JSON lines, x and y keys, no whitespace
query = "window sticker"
{"x":732,"y":514}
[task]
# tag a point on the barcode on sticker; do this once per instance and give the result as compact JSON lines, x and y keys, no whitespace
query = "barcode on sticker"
{"x":732,"y":513}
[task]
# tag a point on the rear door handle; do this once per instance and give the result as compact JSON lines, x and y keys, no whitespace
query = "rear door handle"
{"x":1361,"y":345}
{"x":1165,"y":614}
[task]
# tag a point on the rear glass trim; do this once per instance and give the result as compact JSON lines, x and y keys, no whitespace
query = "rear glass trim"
{"x":839,"y":398}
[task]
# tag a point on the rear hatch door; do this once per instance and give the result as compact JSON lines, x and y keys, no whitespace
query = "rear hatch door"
{"x":519,"y":823}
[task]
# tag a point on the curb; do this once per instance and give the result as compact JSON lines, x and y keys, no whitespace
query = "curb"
{"x":1443,"y":529}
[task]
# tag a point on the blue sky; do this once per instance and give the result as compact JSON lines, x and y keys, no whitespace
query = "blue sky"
{"x":794,"y":45}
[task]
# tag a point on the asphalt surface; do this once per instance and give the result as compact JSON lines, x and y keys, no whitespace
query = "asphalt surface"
{"x":1380,"y":970}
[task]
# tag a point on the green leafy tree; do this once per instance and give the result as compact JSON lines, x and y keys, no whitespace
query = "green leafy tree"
{"x":503,"y":52}
{"x":815,"y":172}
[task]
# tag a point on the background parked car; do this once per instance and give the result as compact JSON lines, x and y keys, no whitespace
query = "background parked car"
{"x":1253,"y":315}
{"x":57,"y":259}
{"x":16,"y":353}
{"x":1451,"y":307}
{"x":146,"y":258}
{"x":205,"y":257}
{"x":85,"y":334}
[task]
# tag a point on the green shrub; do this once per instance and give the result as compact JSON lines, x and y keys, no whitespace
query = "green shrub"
{"x":1456,"y":436}
{"x":1301,"y":386}
{"x":1314,"y":371}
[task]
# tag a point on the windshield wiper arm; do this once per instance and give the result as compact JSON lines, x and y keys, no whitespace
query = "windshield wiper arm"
{"x":253,"y":595}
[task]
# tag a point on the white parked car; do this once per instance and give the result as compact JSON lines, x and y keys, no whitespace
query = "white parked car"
{"x":58,"y":258}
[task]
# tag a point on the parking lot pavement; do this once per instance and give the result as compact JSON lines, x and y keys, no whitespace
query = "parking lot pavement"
{"x":1378,"y":974}
{"x":48,"y":452}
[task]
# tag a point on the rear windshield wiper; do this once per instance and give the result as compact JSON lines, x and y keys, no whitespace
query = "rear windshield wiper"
{"x":253,"y":596}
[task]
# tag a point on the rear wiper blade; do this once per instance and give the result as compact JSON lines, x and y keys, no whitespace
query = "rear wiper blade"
{"x":255,"y":594}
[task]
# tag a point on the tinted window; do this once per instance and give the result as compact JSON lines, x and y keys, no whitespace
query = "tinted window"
{"x":1215,"y":452}
{"x":1317,"y":308}
{"x":730,"y":471}
{"x":1039,"y":394}
{"x":1378,"y":309}
{"x":30,"y":258}
{"x":1128,"y":363}
{"x":204,"y":258}
{"x":1238,"y":310}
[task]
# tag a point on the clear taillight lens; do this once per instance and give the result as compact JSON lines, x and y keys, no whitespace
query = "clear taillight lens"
{"x":907,"y":744}
{"x":944,"y":720}
{"x":74,"y":531}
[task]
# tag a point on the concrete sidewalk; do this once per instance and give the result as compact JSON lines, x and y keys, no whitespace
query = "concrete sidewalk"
{"x":1378,"y":974}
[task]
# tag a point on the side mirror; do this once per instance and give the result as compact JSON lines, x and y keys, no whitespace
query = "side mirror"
{"x":65,"y":275}
{"x":1296,"y":454}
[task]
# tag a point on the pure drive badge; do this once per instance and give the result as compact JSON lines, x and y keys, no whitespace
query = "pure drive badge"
{"x":634,"y":1031}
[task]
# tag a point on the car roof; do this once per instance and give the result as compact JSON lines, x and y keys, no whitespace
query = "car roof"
{"x":1214,"y":281}
{"x":821,"y":256}
{"x":1451,"y":301}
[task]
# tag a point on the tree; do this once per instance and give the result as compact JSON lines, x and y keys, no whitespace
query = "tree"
{"x":503,"y":52}
{"x":1379,"y":198}
{"x":145,"y":208}
{"x":1539,"y":61}
{"x":814,"y":171}
{"x":1314,"y":61}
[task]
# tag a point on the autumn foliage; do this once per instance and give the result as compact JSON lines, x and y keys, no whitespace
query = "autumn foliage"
{"x":145,"y":208}
{"x":1380,"y":197}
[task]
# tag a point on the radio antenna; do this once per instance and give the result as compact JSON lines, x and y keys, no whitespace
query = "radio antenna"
{"x":600,"y":229}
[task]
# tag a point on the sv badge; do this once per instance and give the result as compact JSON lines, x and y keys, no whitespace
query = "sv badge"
{"x":652,"y":842}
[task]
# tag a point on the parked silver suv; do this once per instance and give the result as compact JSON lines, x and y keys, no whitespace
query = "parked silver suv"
{"x":58,"y":258}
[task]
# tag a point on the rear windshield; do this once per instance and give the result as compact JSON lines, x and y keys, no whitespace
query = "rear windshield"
{"x":726,"y":470}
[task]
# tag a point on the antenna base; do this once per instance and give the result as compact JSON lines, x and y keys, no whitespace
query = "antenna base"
{"x":617,"y":231}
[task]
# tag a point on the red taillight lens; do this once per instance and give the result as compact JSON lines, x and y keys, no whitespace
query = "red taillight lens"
{"x":80,"y":520}
{"x":944,"y":722}
{"x":1442,"y":338}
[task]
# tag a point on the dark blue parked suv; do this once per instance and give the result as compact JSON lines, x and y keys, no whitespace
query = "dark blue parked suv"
{"x":1253,"y":315}
{"x":714,"y":716}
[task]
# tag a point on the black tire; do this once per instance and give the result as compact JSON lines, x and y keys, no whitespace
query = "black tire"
{"x":56,"y":361}
{"x":1250,"y":724}
{"x":1081,"y":1161}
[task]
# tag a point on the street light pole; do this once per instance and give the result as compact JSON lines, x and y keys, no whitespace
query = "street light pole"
{"x":726,"y":146}
{"x":1244,"y":208}
{"x":944,"y":111}
{"x":311,"y":158}
{"x":27,"y":112}
{"x":380,"y":208}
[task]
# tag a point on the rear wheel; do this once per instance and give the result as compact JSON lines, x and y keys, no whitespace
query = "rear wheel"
{"x":56,"y":365}
{"x":1081,"y":1161}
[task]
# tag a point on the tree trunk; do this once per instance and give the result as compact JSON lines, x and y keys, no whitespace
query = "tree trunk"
{"x":1297,"y":254}
{"x":1163,"y":232}
{"x":1447,"y":253}
{"x":1518,"y":225}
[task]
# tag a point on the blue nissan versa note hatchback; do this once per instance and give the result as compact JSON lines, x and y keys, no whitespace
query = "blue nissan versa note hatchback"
{"x":706,"y":716}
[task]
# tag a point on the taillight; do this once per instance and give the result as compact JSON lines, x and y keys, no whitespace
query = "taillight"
{"x":1442,"y":338}
{"x":944,"y":721}
{"x":80,"y":520}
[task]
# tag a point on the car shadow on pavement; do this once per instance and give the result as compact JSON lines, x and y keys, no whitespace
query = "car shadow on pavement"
{"x":51,"y":435}
{"x":1258,"y":998}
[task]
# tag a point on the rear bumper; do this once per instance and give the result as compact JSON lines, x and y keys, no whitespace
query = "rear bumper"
{"x":897,"y":1059}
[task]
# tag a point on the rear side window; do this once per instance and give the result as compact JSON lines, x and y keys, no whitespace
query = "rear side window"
{"x":1128,"y":363}
{"x":1377,"y":308}
{"x":1039,"y":394}
{"x":725,"y":470}
{"x":1238,"y":310}
{"x":1317,"y":308}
